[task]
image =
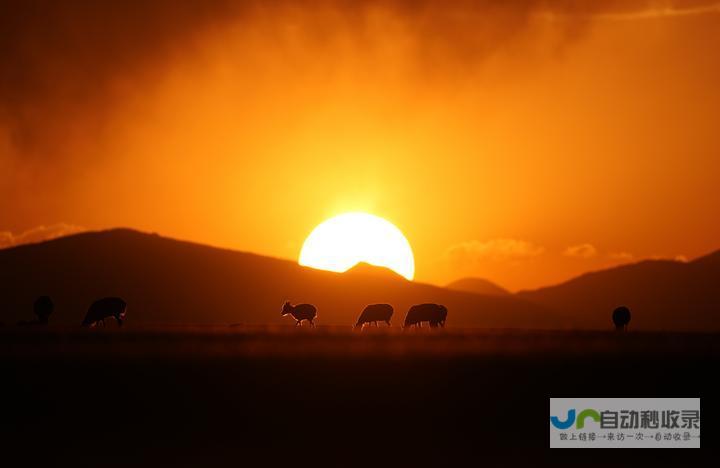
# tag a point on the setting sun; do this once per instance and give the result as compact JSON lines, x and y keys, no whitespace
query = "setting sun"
{"x":343,"y":241}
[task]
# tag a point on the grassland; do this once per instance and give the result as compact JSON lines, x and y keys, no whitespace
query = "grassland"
{"x":196,"y":393}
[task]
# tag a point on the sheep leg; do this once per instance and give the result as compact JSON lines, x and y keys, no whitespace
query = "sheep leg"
{"x":388,"y":322}
{"x":312,"y":324}
{"x":297,"y":323}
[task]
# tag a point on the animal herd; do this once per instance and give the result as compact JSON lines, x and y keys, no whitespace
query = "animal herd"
{"x":114,"y":307}
{"x":434,"y":314}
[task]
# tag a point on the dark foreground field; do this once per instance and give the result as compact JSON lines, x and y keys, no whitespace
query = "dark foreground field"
{"x":194,"y":396}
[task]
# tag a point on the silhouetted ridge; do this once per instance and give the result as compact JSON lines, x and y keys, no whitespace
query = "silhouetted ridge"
{"x":711,"y":260}
{"x":663,"y":294}
{"x":477,"y":286}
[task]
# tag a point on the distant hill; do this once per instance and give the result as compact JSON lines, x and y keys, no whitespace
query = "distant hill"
{"x":365,"y":269}
{"x":477,"y":286}
{"x":166,"y":281}
{"x":661,"y":294}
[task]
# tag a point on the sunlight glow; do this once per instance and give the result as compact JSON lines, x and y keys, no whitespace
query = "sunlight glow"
{"x":341,"y":242}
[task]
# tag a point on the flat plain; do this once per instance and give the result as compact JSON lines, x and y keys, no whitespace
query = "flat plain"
{"x":196,"y":392}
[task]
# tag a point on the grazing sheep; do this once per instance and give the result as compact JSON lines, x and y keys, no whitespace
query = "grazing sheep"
{"x":375,"y":313}
{"x":42,"y":307}
{"x":300,"y":312}
{"x":104,"y":308}
{"x":434,"y":314}
{"x":621,"y":318}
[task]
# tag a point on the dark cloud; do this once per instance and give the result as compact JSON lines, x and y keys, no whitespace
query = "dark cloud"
{"x":61,"y":57}
{"x":65,"y":64}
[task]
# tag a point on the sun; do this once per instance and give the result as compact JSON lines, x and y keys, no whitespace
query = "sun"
{"x":343,"y":241}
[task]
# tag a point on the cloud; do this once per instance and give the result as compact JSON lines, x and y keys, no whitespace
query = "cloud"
{"x":581,"y":251}
{"x":644,"y":10}
{"x":75,"y":63}
{"x":37,"y":234}
{"x":498,"y":250}
{"x":677,"y":258}
{"x":621,"y":256}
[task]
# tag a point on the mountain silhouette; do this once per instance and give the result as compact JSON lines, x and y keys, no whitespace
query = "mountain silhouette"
{"x":167,"y":281}
{"x":477,"y":286}
{"x":662,"y":295}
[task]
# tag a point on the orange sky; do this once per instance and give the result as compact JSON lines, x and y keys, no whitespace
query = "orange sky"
{"x":517,"y":143}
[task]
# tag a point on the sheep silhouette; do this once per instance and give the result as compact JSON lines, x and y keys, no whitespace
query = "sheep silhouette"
{"x":621,"y":318}
{"x":375,"y":313}
{"x":434,"y":314}
{"x":42,"y":308}
{"x":104,"y":308}
{"x":300,"y":312}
